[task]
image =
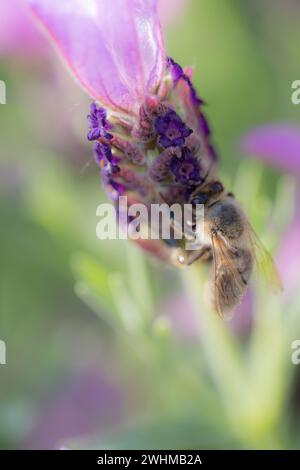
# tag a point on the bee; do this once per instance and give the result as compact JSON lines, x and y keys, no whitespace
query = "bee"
{"x":231,"y":244}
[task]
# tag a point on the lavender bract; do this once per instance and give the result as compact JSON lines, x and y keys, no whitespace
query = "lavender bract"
{"x":18,"y":36}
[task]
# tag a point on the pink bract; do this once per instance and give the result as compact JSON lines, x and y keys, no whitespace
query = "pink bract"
{"x":18,"y":34}
{"x":113,"y":48}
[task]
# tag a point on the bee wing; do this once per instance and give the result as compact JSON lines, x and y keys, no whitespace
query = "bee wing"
{"x":229,"y":283}
{"x":263,"y":261}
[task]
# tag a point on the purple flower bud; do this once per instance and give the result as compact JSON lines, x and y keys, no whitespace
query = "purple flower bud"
{"x":171,"y":130}
{"x":98,"y":123}
{"x":159,"y":169}
{"x":102,"y":152}
{"x":186,"y":169}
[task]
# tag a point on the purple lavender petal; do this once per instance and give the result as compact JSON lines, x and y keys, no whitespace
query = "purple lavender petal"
{"x":176,"y":70}
{"x":277,"y":144}
{"x":98,"y":123}
{"x":178,"y":73}
{"x":103,"y":152}
{"x":204,"y":125}
{"x":186,"y":169}
{"x":114,"y":48}
{"x":98,"y":152}
{"x":171,"y":130}
{"x":179,"y":76}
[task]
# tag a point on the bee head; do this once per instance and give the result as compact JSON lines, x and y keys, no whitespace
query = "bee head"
{"x":207,"y":194}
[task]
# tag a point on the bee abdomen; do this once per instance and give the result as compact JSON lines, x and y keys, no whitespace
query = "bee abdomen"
{"x":232,"y":285}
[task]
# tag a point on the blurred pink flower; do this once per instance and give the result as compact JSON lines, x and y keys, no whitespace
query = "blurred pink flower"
{"x":18,"y":34}
{"x":279,"y":145}
{"x":288,"y":257}
{"x":182,"y":316}
{"x":186,"y":321}
{"x":88,"y":403}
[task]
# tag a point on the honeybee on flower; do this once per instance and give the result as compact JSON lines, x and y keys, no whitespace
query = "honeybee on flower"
{"x":152,"y":141}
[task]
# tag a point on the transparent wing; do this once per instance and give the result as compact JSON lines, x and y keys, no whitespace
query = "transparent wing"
{"x":264,"y":262}
{"x":229,"y":283}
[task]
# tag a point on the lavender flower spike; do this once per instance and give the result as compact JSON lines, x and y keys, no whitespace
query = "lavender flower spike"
{"x":152,"y":141}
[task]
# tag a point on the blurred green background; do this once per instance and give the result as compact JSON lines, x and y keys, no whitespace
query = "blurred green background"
{"x":101,"y":348}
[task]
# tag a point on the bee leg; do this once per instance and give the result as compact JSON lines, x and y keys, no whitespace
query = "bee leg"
{"x":204,"y":255}
{"x":183,"y":258}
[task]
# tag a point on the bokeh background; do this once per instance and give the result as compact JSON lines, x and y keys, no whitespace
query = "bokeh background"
{"x":106,"y":348}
